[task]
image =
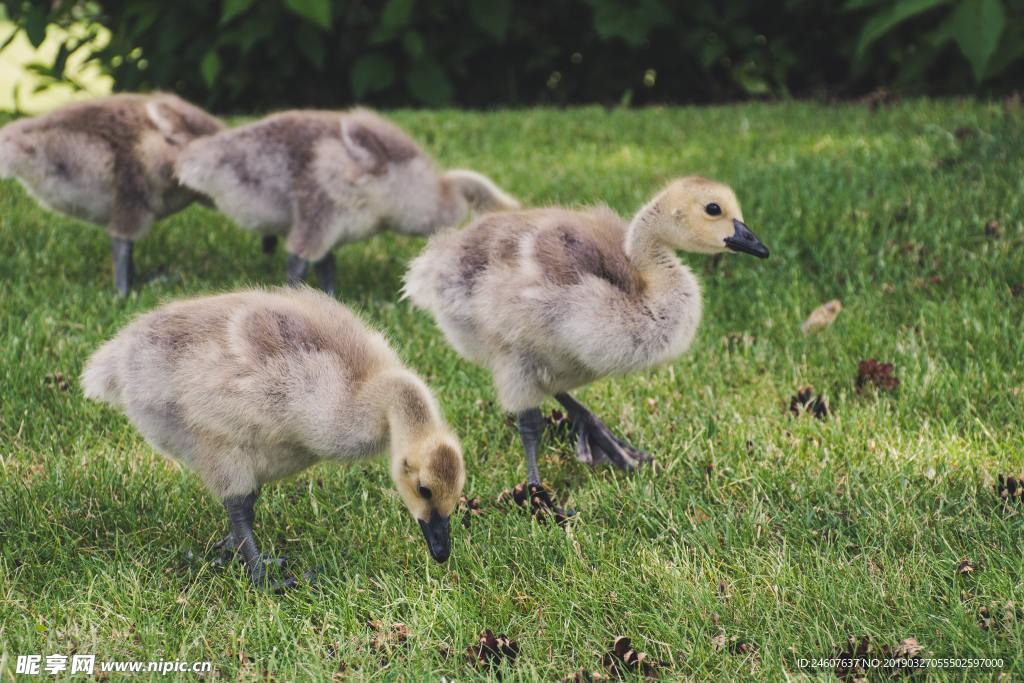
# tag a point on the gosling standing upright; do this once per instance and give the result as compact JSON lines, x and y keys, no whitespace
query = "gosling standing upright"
{"x":250,"y":387}
{"x":552,"y":299}
{"x":109,"y":161}
{"x":324,"y":178}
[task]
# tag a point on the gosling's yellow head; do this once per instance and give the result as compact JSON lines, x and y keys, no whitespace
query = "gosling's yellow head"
{"x":429,"y":474}
{"x":703,"y":216}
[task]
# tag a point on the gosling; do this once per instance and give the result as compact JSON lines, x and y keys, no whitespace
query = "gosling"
{"x":250,"y":387}
{"x":326,"y":178}
{"x":108,"y":161}
{"x":552,"y":299}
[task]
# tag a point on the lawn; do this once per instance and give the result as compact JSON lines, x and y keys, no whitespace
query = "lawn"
{"x":759,"y":539}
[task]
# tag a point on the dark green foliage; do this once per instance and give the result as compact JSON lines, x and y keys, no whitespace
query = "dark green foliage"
{"x":246,"y":55}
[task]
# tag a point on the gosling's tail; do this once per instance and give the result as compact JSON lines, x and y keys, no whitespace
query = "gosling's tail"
{"x":194,"y":164}
{"x":10,"y":151}
{"x":101,"y":379}
{"x":422,"y":282}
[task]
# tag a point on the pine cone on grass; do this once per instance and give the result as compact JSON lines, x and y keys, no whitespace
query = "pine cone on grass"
{"x":490,"y":650}
{"x":470,"y":508}
{"x":623,"y":660}
{"x":879,"y":375}
{"x":539,"y":501}
{"x":1010,"y":488}
{"x":804,"y":401}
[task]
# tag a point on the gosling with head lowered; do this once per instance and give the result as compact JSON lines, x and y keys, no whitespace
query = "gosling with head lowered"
{"x":552,"y":299}
{"x":250,"y":387}
{"x":109,"y":161}
{"x":325,"y":178}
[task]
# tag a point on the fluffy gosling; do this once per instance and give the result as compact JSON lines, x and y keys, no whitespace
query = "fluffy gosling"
{"x":108,"y":161}
{"x":251,"y":387}
{"x":325,"y":178}
{"x":552,"y":299}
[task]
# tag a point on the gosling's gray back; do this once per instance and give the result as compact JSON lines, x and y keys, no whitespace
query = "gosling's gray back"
{"x":109,"y":160}
{"x":273,"y":377}
{"x":549,"y":300}
{"x":320,"y":177}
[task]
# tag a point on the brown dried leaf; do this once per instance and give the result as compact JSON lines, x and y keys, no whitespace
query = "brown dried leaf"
{"x":907,"y":648}
{"x":822,"y":316}
{"x":965,"y":567}
{"x":698,"y":516}
{"x":387,"y":637}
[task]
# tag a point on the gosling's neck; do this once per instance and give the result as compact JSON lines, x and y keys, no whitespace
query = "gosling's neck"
{"x":409,"y":408}
{"x":648,"y":252}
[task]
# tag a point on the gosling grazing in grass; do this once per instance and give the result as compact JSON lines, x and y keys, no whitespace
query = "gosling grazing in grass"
{"x":109,"y":161}
{"x":250,"y":387}
{"x":552,"y":299}
{"x":324,"y":178}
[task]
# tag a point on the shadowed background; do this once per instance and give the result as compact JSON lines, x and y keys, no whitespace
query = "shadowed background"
{"x":245,"y":56}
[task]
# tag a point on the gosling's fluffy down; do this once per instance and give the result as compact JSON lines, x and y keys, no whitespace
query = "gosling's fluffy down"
{"x":324,"y":178}
{"x":109,"y":161}
{"x":550,"y":300}
{"x":250,"y":387}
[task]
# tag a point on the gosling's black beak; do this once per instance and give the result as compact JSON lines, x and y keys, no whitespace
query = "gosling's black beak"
{"x":745,"y":241}
{"x":438,"y":532}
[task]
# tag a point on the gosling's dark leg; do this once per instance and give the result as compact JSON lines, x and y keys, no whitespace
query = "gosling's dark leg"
{"x":121,"y":249}
{"x":240,"y":517}
{"x":595,"y":442}
{"x":531,"y":427}
{"x":298,"y":268}
{"x":325,"y":270}
{"x":269,"y":244}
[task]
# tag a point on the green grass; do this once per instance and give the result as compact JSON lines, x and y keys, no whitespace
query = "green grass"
{"x":815,"y":530}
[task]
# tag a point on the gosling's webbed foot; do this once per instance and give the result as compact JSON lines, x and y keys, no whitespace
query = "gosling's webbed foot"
{"x":587,"y":453}
{"x":595,"y":443}
{"x":287,"y":582}
{"x":225,"y":550}
{"x":261,"y":572}
{"x":269,"y":574}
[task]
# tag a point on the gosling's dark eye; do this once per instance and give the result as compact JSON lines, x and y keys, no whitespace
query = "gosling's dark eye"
{"x":425,"y":492}
{"x":713,"y":209}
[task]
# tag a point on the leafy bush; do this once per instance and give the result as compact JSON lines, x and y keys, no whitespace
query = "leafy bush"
{"x":248,"y":55}
{"x":989,"y":38}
